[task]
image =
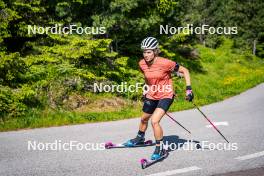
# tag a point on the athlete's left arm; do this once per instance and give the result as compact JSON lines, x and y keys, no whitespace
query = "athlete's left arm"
{"x":186,"y":74}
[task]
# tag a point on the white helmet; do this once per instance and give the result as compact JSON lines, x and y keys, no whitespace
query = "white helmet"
{"x":149,"y":43}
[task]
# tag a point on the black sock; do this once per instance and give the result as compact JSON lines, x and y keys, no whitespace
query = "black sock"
{"x":158,"y":147}
{"x":159,"y":141}
{"x":141,"y":134}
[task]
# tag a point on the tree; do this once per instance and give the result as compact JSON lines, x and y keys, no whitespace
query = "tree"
{"x":248,"y":16}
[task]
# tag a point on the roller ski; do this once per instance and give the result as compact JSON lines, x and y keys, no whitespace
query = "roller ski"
{"x":136,"y":142}
{"x":110,"y":145}
{"x":157,"y":156}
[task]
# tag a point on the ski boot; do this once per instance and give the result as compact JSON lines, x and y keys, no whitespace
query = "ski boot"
{"x":158,"y":153}
{"x":138,"y":140}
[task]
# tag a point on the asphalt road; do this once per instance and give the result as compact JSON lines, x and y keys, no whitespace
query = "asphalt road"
{"x":239,"y":118}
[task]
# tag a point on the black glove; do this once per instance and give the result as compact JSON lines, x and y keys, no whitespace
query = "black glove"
{"x":189,"y":94}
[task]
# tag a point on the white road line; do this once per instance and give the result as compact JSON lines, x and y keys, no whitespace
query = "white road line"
{"x":254,"y":155}
{"x":217,"y":124}
{"x":177,"y":171}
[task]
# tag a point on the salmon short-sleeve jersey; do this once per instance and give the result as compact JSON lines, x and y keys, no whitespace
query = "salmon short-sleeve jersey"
{"x":158,"y":78}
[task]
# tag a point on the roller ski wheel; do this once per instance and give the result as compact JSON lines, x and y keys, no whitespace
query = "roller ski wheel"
{"x":146,"y":163}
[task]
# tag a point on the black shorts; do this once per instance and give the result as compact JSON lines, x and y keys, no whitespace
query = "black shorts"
{"x":150,"y":105}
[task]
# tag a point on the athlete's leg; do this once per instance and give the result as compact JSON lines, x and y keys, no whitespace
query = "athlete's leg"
{"x":158,"y":133}
{"x":143,"y":125}
{"x":162,"y":108}
{"x":148,"y":108}
{"x":156,"y":117}
{"x":155,"y":122}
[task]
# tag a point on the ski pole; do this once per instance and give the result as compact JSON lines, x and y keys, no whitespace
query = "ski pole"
{"x":177,"y":122}
{"x":210,"y":122}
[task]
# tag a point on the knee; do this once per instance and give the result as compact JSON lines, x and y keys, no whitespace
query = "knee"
{"x":154,"y":123}
{"x":144,"y":120}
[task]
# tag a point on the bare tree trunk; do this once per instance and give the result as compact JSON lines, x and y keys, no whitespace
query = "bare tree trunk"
{"x":111,"y":49}
{"x":202,"y":36}
{"x":254,"y":47}
{"x":116,"y":45}
{"x":202,"y":40}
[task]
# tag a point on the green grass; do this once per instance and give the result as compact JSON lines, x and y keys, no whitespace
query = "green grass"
{"x":37,"y":119}
{"x":225,"y":74}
